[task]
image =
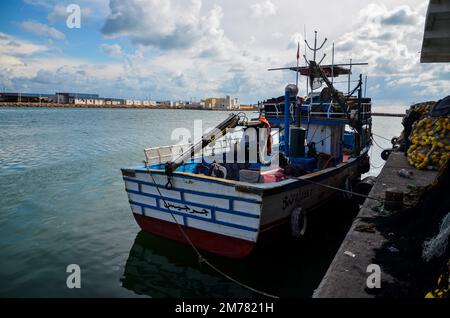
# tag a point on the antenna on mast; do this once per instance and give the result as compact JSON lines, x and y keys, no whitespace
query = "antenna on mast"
{"x":306,"y":60}
{"x":316,"y":49}
{"x":314,"y":81}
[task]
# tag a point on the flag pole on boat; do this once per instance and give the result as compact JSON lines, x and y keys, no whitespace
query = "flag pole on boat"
{"x":298,"y":62}
{"x":306,"y":59}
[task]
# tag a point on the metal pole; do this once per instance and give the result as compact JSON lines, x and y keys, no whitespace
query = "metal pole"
{"x":287,"y":116}
{"x":298,"y":61}
{"x":315,"y":44}
{"x":332,"y":66}
{"x":349,"y":77}
{"x":359,"y":119}
{"x":365,"y":87}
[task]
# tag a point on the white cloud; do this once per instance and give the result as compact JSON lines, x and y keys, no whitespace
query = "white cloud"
{"x":390,"y":42}
{"x":295,"y":39}
{"x":13,"y":46}
{"x":41,"y":29}
{"x":163,"y":24}
{"x":211,"y":47}
{"x":263,"y":9}
{"x":113,"y":50}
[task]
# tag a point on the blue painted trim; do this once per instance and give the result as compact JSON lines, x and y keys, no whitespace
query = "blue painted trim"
{"x":241,"y":227}
{"x":324,"y":122}
{"x":200,"y":205}
{"x":160,"y":172}
{"x":194,"y":192}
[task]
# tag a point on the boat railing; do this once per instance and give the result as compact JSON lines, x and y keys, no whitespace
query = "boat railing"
{"x":316,"y":109}
{"x":160,"y":155}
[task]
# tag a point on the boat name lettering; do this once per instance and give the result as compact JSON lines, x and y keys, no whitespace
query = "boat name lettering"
{"x":295,"y":198}
{"x":185,"y":208}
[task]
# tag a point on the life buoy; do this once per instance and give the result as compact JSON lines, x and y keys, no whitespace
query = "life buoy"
{"x":298,"y":222}
{"x":269,"y":138}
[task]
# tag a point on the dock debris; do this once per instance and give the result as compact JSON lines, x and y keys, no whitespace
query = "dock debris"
{"x":405,"y":173}
{"x":436,"y":246}
{"x":348,"y":253}
{"x":393,"y":199}
{"x":393,"y":249}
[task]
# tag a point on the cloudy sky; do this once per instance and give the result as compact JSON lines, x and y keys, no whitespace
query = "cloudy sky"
{"x":183,"y":49}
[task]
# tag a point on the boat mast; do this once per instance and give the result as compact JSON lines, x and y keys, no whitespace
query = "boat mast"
{"x":315,"y":50}
{"x":306,"y":59}
{"x":332,"y":65}
{"x":350,"y":76}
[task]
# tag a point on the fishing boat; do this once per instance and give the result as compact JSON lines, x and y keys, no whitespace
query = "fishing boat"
{"x":226,"y":191}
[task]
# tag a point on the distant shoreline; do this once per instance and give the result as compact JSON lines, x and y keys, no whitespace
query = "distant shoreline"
{"x":387,"y":115}
{"x":51,"y":105}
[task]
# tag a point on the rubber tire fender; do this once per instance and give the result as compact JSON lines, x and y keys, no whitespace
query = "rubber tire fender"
{"x":348,"y":186}
{"x":299,"y":222}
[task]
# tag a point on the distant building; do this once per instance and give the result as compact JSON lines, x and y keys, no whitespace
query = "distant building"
{"x":221,"y":103}
{"x":114,"y":102}
{"x":25,"y":98}
{"x":227,"y":103}
{"x":77,"y":98}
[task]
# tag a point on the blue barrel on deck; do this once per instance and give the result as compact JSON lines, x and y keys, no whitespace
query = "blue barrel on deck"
{"x":349,"y":139}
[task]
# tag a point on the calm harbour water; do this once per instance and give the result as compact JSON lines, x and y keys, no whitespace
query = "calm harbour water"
{"x":62,"y":201}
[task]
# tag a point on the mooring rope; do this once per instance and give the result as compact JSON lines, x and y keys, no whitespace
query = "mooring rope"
{"x":381,"y":137}
{"x":371,"y":155}
{"x":201,"y":258}
{"x":382,"y":148}
{"x":339,"y":189}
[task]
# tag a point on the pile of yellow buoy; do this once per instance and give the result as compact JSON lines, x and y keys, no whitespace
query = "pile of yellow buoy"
{"x":430,"y":143}
{"x":423,"y":109}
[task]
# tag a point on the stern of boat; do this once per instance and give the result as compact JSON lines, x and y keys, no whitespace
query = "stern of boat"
{"x":211,"y":212}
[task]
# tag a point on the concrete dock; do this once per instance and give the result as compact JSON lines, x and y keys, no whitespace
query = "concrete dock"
{"x":347,"y":275}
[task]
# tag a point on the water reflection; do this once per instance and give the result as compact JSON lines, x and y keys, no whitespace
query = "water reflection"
{"x":282,"y":266}
{"x":157,"y":267}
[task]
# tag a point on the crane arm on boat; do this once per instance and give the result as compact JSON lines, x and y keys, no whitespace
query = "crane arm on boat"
{"x":316,"y":69}
{"x":220,"y":130}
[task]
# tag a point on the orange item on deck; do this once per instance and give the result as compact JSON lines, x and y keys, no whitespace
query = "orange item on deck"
{"x":269,"y":138}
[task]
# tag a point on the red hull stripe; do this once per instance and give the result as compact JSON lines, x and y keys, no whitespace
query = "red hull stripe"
{"x":215,"y":243}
